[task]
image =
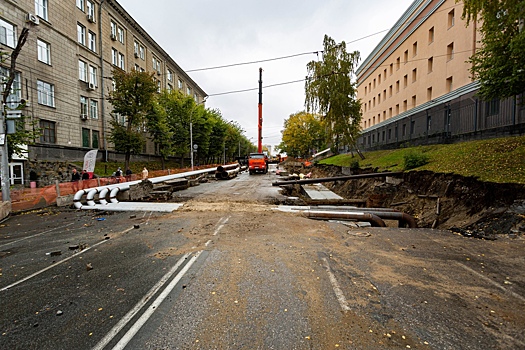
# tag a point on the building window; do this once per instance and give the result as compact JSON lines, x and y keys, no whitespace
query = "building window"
{"x":429,"y":93}
{"x":85,"y":137}
{"x":114,"y":57}
{"x":90,"y":8}
{"x":82,"y":71}
{"x":406,"y":57}
{"x":451,"y":19}
{"x":379,"y":79}
{"x":374,"y":102}
{"x":450,"y":51}
{"x":16,"y":88}
{"x":81,"y":34}
{"x":46,"y":93}
{"x":41,"y":8}
{"x":431,"y":35}
{"x":390,"y":112}
{"x":44,"y":51}
{"x":95,"y":137}
{"x":391,"y":68}
{"x":93,"y":75}
{"x":113,"y":29}
{"x":142,"y":52}
{"x":179,"y":84}
{"x":397,"y":109}
{"x":93,"y":109}
{"x":121,"y":61}
{"x":405,"y":105}
{"x":170,"y":75}
{"x":430,"y":64}
{"x":414,"y":74}
{"x":169,"y":88}
{"x":378,"y":98}
{"x":374,"y":84}
{"x":397,"y":86}
{"x":366,"y":88}
{"x":7,"y":34}
{"x":92,"y":41}
{"x":414,"y":49}
{"x":80,"y":4}
{"x":136,"y":48}
{"x":413,"y":101}
{"x":390,"y":90}
{"x":405,"y":81}
{"x":449,"y":84}
{"x":83,"y":105}
{"x":398,"y":63}
{"x":120,"y":35}
{"x":48,"y":131}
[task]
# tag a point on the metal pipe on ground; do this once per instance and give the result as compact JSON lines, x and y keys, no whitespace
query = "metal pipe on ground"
{"x":336,"y":178}
{"x":224,"y":174}
{"x":404,"y":220}
{"x":115,"y":188}
{"x":373,"y":219}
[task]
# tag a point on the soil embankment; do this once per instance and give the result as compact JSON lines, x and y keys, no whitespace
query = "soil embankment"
{"x":445,"y":201}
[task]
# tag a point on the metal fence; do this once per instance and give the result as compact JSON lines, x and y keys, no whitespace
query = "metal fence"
{"x":459,"y":119}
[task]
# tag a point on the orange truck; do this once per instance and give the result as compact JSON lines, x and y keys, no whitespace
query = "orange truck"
{"x":257,"y":162}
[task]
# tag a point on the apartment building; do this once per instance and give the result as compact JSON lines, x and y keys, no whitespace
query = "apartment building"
{"x":422,"y":58}
{"x":64,"y":70}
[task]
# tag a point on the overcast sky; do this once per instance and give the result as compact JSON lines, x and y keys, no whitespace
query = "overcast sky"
{"x":208,"y":33}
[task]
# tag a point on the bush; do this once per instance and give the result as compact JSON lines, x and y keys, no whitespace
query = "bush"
{"x":354,"y":165}
{"x":415,"y":159}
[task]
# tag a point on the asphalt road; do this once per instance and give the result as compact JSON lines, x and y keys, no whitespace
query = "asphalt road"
{"x":229,"y":271}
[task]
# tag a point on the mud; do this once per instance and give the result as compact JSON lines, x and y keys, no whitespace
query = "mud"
{"x":463,"y":205}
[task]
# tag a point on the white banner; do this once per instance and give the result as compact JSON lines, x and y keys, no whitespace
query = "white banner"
{"x":89,"y":161}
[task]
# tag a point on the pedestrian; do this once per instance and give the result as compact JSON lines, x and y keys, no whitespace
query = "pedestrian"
{"x":118,"y":173}
{"x":145,"y":173}
{"x":75,"y":178}
{"x":128,"y":174}
{"x":85,"y":175}
{"x":75,"y":175}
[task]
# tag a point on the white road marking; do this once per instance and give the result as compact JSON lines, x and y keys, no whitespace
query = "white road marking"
{"x":131,"y":313}
{"x":335,"y":286}
{"x":51,"y":266}
{"x":492,"y":282}
{"x":147,"y":314}
{"x":38,"y":234}
{"x":222,"y":222}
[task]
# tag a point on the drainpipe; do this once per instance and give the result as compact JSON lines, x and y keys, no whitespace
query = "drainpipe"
{"x":102,"y":100}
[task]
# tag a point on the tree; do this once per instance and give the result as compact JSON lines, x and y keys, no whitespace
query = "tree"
{"x":330,"y":92}
{"x":498,"y":64}
{"x":23,"y":135}
{"x":302,"y":133}
{"x":159,"y":132}
{"x":132,"y":99}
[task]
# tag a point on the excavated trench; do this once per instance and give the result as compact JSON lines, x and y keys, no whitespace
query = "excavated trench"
{"x":445,"y":201}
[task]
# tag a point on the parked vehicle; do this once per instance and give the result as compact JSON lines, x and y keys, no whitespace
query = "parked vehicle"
{"x":257,"y":162}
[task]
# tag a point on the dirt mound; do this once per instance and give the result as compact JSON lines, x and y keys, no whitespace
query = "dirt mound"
{"x":462,"y":204}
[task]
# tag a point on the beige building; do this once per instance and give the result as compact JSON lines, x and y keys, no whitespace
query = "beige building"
{"x":424,"y":56}
{"x":64,"y":69}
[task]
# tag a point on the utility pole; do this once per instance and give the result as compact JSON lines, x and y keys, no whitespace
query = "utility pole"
{"x":259,"y":144}
{"x":6,"y":196}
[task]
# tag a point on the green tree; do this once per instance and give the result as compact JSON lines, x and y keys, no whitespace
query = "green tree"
{"x":330,"y":92}
{"x":302,"y":133}
{"x":25,"y":133}
{"x":132,"y":100}
{"x":159,"y":132}
{"x":499,"y":63}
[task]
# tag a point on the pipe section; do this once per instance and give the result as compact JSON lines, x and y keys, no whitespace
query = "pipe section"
{"x":337,"y":178}
{"x":375,"y":220}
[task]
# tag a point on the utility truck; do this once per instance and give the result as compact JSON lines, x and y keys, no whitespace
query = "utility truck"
{"x":257,"y":162}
